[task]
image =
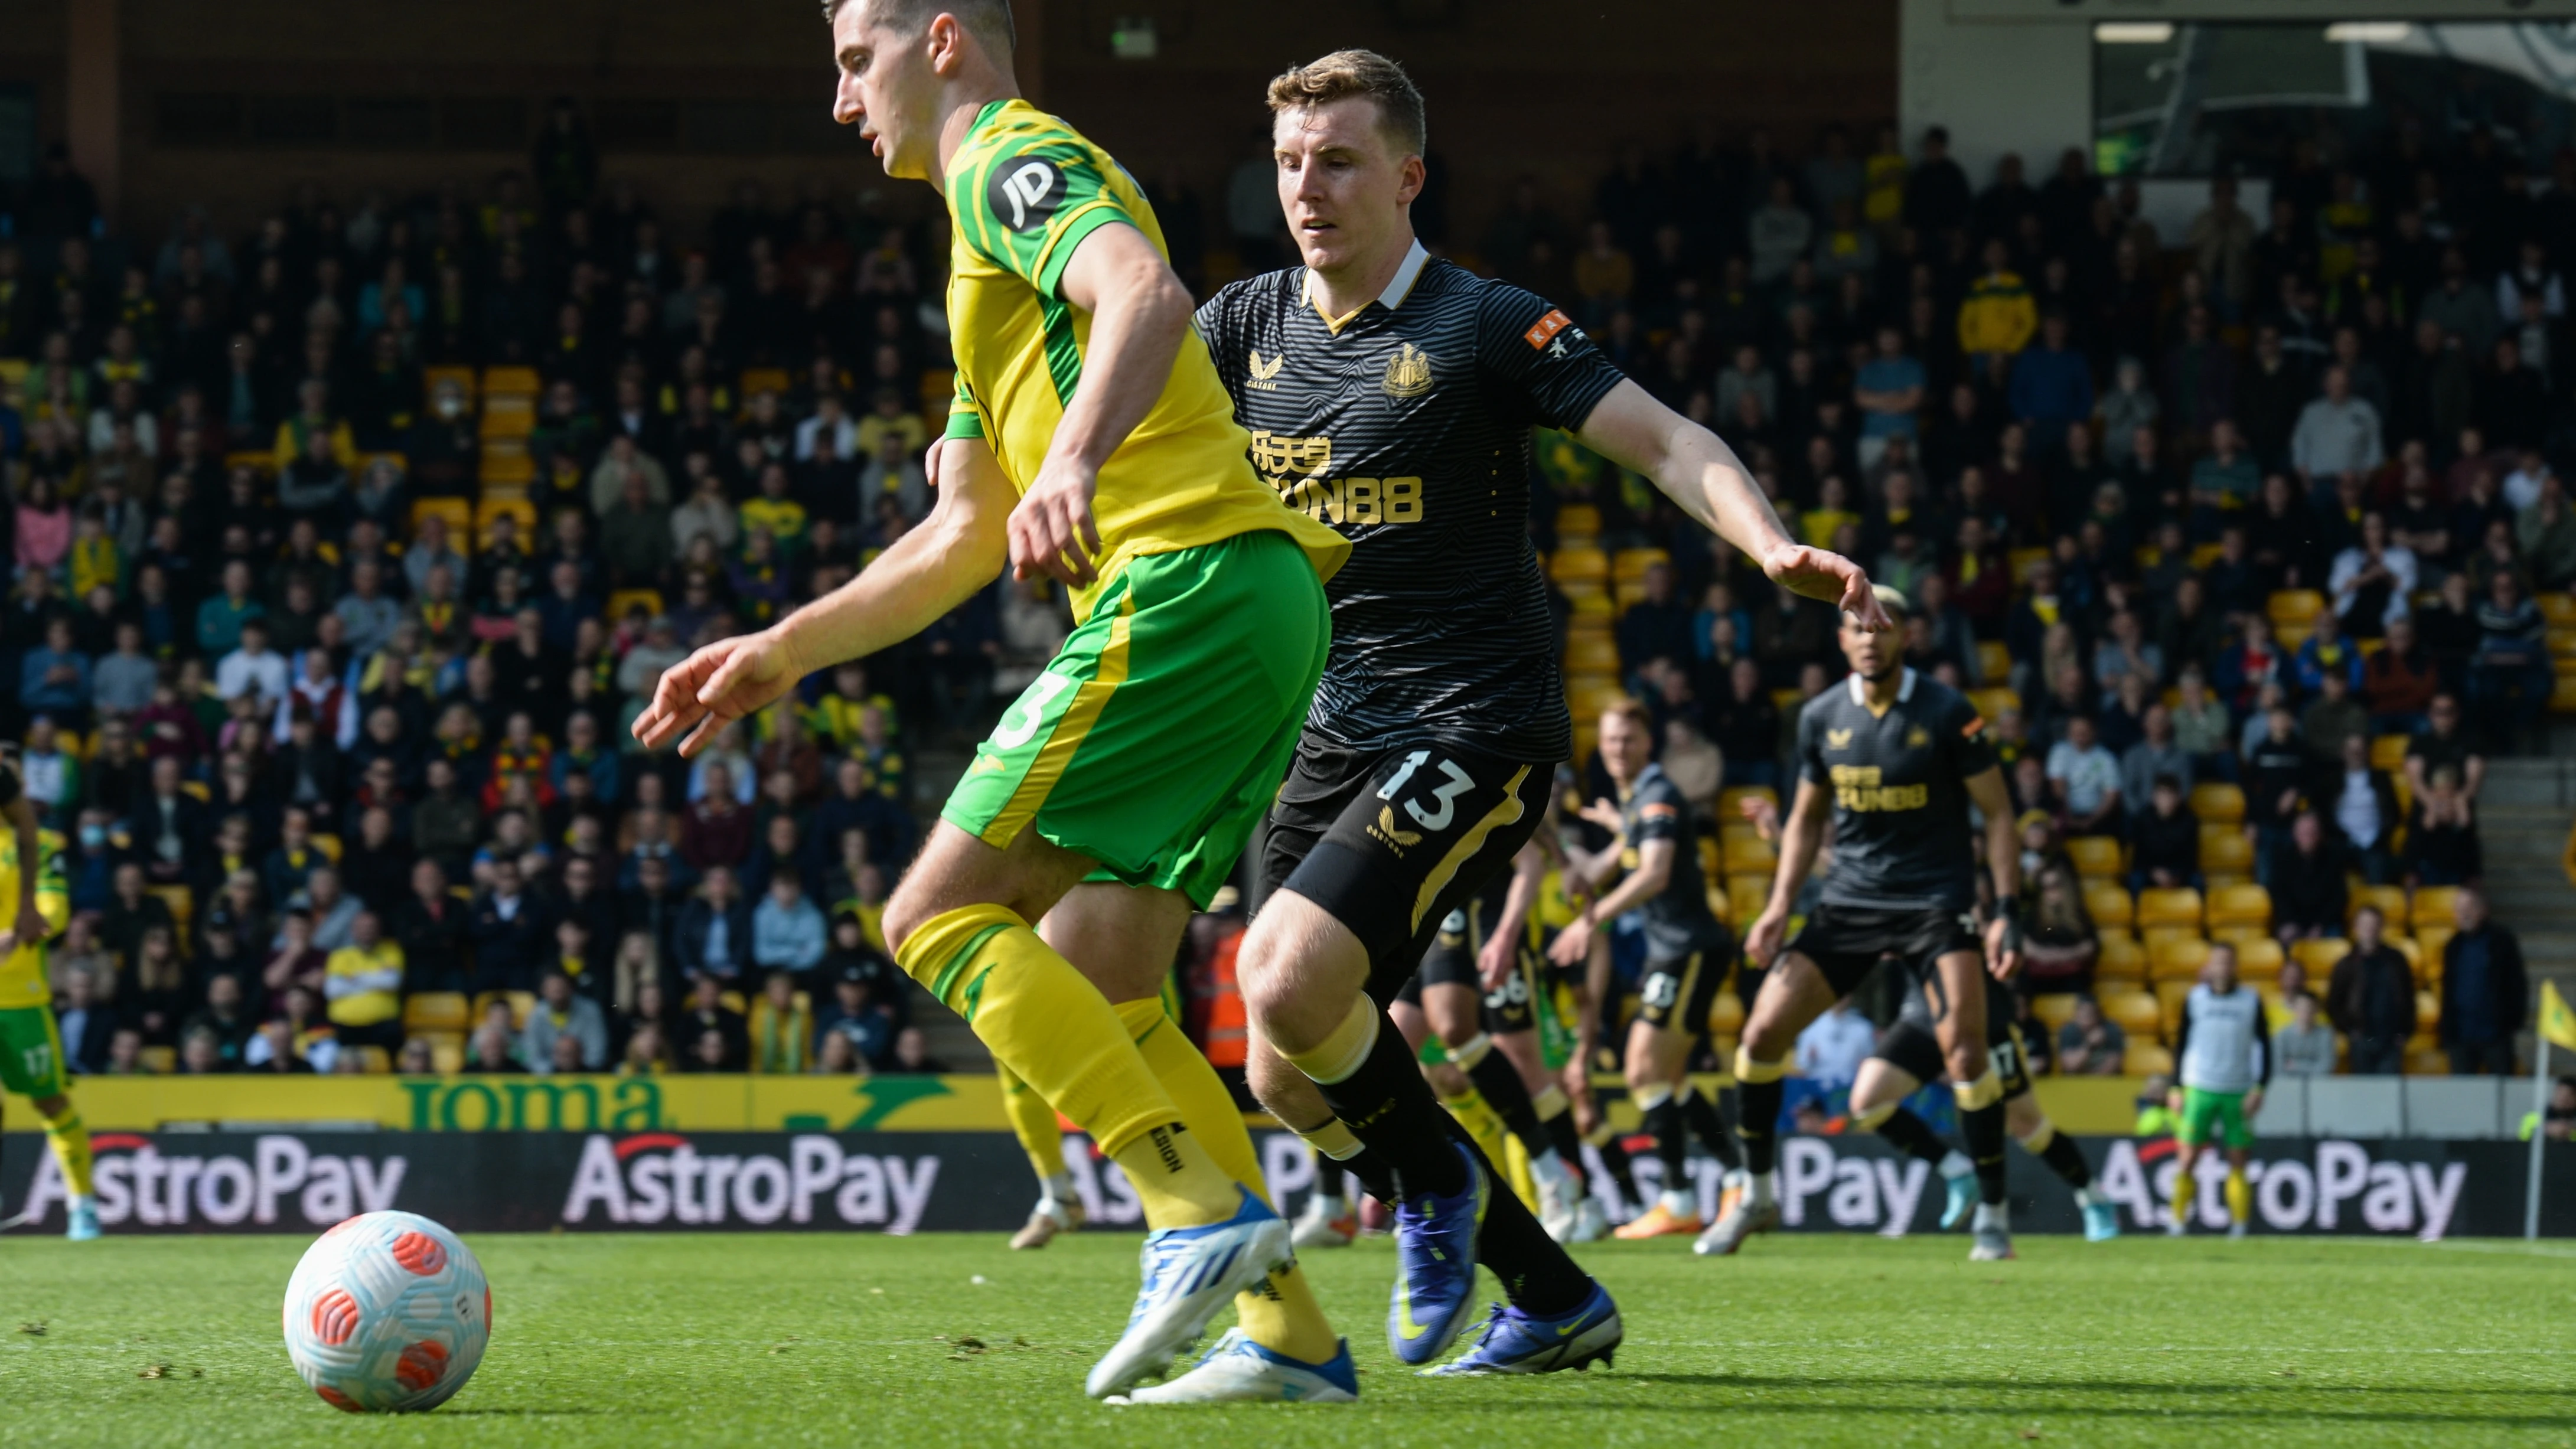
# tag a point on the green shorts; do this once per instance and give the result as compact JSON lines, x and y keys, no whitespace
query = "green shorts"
{"x":31,"y":1052}
{"x":2225,"y":1110}
{"x":1156,"y":738}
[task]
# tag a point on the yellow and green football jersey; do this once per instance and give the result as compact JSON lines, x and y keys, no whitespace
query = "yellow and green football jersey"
{"x":22,"y":974}
{"x":1023,"y":191}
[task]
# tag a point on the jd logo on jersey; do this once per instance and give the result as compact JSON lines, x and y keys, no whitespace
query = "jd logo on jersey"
{"x":1264,"y":373}
{"x":1024,"y":191}
{"x":1408,"y":372}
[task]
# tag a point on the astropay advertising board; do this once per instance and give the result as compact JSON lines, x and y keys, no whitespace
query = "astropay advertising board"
{"x":903,"y":1182}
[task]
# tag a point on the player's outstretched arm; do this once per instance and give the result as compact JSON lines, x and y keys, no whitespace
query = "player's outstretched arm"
{"x":1502,"y":943}
{"x":1986,"y":789}
{"x":1139,"y":314}
{"x":1654,"y":871}
{"x":1696,"y":469}
{"x":26,"y":918}
{"x":1810,"y":811}
{"x":928,"y":572}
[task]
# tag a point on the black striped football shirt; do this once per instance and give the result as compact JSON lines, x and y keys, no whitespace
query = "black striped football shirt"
{"x":1406,"y":427}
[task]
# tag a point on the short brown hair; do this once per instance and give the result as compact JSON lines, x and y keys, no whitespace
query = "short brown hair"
{"x":987,"y":20}
{"x":1347,"y":73}
{"x":1633,"y":711}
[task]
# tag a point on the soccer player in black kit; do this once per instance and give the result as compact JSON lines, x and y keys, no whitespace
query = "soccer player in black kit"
{"x":1894,"y":759}
{"x":1391,"y":394}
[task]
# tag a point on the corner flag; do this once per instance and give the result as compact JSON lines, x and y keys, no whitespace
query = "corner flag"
{"x":2557,"y":1018}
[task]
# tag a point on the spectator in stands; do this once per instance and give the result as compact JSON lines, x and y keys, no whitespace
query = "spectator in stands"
{"x":713,"y":936}
{"x":2484,"y":990}
{"x":2510,"y":678}
{"x":855,"y":1012}
{"x":2306,"y":881}
{"x":2364,"y":804}
{"x":2060,"y":944}
{"x":2373,"y":581}
{"x":2155,"y":756}
{"x":2399,"y":681}
{"x":1833,"y":1046}
{"x":781,"y":1028}
{"x":787,"y":932}
{"x":912,"y":1054}
{"x":362,"y":984}
{"x":2084,"y":780}
{"x":2442,"y":844}
{"x":2165,"y":840}
{"x":2305,"y":1046}
{"x":2090,"y":1045}
{"x":2371,"y":999}
{"x":708,"y":1018}
{"x":2445,"y":743}
{"x":493,"y":1048}
{"x":563,"y":1014}
{"x":509,"y":931}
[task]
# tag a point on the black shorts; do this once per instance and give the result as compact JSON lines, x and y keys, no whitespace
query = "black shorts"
{"x":1913,"y":1049}
{"x":1846,"y":942}
{"x":1390,"y":842}
{"x":1675,"y":994}
{"x":1451,"y":961}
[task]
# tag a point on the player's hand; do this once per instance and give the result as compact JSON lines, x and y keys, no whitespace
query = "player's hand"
{"x":2173,"y":1099}
{"x":1052,"y":531}
{"x":930,"y":462}
{"x":1763,"y":813}
{"x":1604,"y":814}
{"x":1572,"y":944}
{"x":1819,"y":574}
{"x":2001,"y":963}
{"x":719,"y":684}
{"x":2253,"y":1103}
{"x":1495,"y":961}
{"x":1763,"y":939}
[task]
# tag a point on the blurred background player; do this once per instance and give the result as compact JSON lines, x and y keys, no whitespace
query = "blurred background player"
{"x":31,"y":1048}
{"x":2223,"y":1055}
{"x":1392,"y":393}
{"x":1041,"y":1133}
{"x":1892,"y":761}
{"x":1909,"y":1055}
{"x":1689,"y":955}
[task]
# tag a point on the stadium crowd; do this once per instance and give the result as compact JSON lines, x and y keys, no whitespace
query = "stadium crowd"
{"x":343,"y":551}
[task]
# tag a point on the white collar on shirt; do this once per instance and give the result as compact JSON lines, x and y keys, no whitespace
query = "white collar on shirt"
{"x":1860,"y":690}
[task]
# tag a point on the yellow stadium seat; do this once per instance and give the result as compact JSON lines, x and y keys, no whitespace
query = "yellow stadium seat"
{"x":1746,"y":895}
{"x":182,"y":903}
{"x":2562,"y":694}
{"x":2295,"y":608}
{"x":159,"y":1061}
{"x":2238,"y":935}
{"x":2428,"y":1062}
{"x":511,"y":382}
{"x":2175,"y":958}
{"x":2108,"y":904}
{"x":436,"y":1011}
{"x":2218,"y":803}
{"x":1591,"y":701}
{"x":1746,"y":850}
{"x":261,"y":463}
{"x":1708,"y":860}
{"x":2434,"y":906}
{"x":1994,"y":661}
{"x":447,"y":1058}
{"x":2021,"y":560}
{"x":2562,"y":640}
{"x":1591,"y":605}
{"x":1573,"y":562}
{"x":2136,"y":1012}
{"x":2241,"y":905}
{"x":1632,"y":563}
{"x":2146,"y":1059}
{"x":2169,"y":999}
{"x":2177,"y":907}
{"x":2558,"y":608}
{"x":2431,"y":940}
{"x":624,"y":599}
{"x":2225,"y":848}
{"x":374,"y":1060}
{"x":2391,"y":901}
{"x":512,"y":418}
{"x":1578,"y":520}
{"x":2318,"y":954}
{"x":757,"y":380}
{"x":2414,"y":954}
{"x":2096,"y":857}
{"x":2259,"y":959}
{"x":1994,"y":700}
{"x":2121,"y":959}
{"x":1726,"y":1015}
{"x":329,"y":845}
{"x":2053,"y":1009}
{"x":456,"y":512}
{"x":1590,"y":651}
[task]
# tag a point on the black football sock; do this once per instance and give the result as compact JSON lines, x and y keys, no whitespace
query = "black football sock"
{"x":1700,"y":1112}
{"x":1503,"y":1090}
{"x":1983,"y":1127}
{"x":1663,"y":1122}
{"x":1390,"y":1108}
{"x":1913,"y":1136}
{"x":1375,"y":1178}
{"x":1537,"y":1274}
{"x":2067,"y":1160}
{"x":1757,"y":1113}
{"x":1559,"y":1127}
{"x":1615,"y":1161}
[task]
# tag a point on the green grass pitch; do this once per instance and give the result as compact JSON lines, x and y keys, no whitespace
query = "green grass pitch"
{"x":840,"y":1340}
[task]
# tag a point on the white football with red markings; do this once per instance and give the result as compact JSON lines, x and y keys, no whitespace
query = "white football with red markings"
{"x":388,"y":1313}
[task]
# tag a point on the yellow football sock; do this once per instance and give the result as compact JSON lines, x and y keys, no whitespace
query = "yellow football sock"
{"x":1282,"y":1314}
{"x":2240,"y":1196}
{"x":1481,"y":1122}
{"x":2186,"y":1193}
{"x":1054,"y":1031}
{"x":1033,"y":1121}
{"x":69,"y":1137}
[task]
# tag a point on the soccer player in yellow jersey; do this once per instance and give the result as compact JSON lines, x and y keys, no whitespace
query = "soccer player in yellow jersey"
{"x":38,"y":906}
{"x":1091,"y":441}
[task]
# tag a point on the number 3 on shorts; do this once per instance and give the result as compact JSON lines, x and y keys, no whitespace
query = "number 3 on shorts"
{"x":1020,"y":722}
